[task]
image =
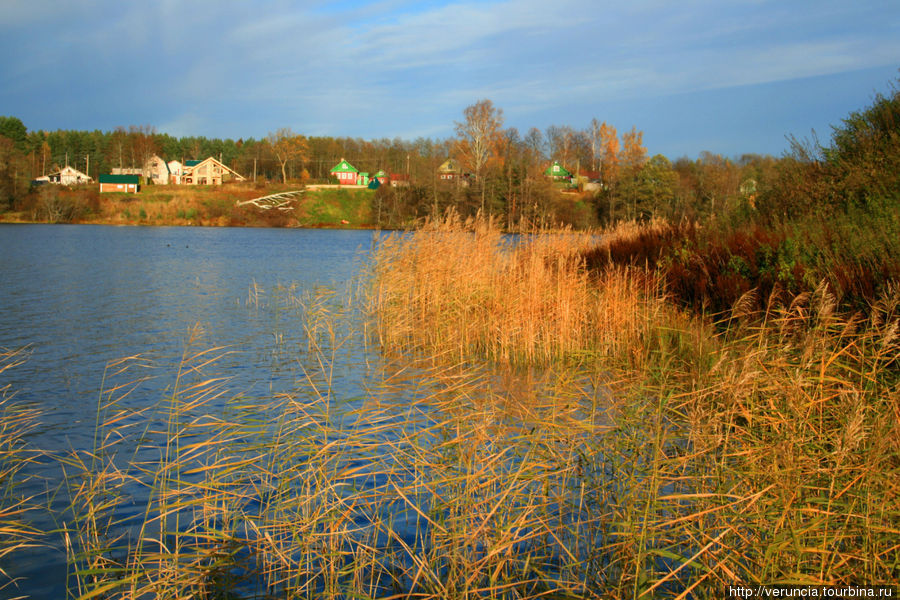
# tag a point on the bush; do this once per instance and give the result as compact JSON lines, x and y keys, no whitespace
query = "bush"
{"x":56,"y":207}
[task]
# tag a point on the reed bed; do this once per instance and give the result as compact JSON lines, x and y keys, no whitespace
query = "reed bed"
{"x":519,"y":430}
{"x":760,"y":449}
{"x":461,"y":287}
{"x":470,"y":487}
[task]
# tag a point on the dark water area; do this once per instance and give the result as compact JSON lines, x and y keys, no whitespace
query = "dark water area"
{"x":78,"y":297}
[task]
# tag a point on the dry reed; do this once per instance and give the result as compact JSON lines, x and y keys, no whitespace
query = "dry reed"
{"x":609,"y":446}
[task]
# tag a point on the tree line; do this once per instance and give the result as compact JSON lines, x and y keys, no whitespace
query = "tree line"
{"x":503,"y":168}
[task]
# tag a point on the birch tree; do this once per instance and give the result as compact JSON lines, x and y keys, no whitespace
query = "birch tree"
{"x":478,"y":136}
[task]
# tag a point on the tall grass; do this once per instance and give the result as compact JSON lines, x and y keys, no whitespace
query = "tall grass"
{"x":460,"y":288}
{"x":468,"y":488}
{"x":735,"y":452}
{"x":16,"y":420}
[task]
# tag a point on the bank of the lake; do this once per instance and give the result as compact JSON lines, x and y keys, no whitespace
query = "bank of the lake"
{"x":208,"y":206}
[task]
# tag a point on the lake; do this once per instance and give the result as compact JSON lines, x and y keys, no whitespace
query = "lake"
{"x":79,"y":297}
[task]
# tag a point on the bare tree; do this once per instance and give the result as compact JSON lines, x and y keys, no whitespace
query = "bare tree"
{"x":478,"y":136}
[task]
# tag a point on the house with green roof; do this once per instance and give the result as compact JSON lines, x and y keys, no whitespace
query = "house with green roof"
{"x":557,"y":172}
{"x":130,"y":184}
{"x":345,"y":173}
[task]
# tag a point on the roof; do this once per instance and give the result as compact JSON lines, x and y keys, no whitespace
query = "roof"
{"x":557,"y":170}
{"x":380,"y":173}
{"x":344,"y":167}
{"x":120,"y":179}
{"x":192,"y":164}
{"x":69,"y":170}
{"x":449,"y":166}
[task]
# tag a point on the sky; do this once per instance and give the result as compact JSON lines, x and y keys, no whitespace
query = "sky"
{"x":728,"y":76}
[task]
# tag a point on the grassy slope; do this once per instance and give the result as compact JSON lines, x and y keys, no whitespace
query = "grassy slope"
{"x":200,"y":205}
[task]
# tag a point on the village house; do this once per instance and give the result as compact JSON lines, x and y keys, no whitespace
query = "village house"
{"x":208,"y":171}
{"x":120,"y":183}
{"x":381,"y":177}
{"x":399,"y":179}
{"x":557,"y":172}
{"x":345,"y":173}
{"x":65,"y":176}
{"x":174,"y":171}
{"x":449,"y":170}
{"x":126,"y":171}
{"x":156,"y":170}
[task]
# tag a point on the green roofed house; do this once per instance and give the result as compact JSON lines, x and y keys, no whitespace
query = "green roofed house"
{"x":557,"y":172}
{"x":381,"y":177}
{"x":345,"y":173}
{"x":120,"y":183}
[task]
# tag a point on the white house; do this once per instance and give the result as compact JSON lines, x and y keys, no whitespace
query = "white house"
{"x":156,"y":170}
{"x":66,"y":176}
{"x":208,"y":171}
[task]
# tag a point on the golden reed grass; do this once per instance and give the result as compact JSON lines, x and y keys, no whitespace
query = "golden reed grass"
{"x":625,"y":451}
{"x":461,"y":287}
{"x":755,"y":450}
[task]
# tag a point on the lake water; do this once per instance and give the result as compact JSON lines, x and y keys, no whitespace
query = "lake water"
{"x":79,"y":297}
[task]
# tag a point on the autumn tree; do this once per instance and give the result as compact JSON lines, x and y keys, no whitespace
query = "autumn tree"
{"x":632,"y":157}
{"x":719,"y":181}
{"x":287,"y":146}
{"x":478,"y":137}
{"x":608,"y":153}
{"x":142,"y":143}
{"x":13,"y":177}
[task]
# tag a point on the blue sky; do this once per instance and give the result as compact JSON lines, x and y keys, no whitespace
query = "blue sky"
{"x":729,"y":77}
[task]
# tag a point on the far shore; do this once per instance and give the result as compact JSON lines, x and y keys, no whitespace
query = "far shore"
{"x":319,"y":206}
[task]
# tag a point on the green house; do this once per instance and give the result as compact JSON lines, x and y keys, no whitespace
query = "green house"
{"x":557,"y":172}
{"x":345,"y":173}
